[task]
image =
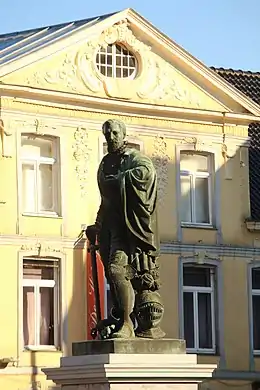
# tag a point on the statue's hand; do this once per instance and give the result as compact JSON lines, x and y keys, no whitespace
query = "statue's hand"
{"x":91,"y":233}
{"x":107,"y":332}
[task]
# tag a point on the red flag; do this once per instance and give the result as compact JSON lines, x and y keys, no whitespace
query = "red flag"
{"x":91,"y":306}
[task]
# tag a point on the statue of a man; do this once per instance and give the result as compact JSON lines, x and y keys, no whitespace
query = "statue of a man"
{"x":126,"y":226}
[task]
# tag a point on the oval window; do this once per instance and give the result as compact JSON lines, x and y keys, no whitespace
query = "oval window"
{"x":116,"y":61}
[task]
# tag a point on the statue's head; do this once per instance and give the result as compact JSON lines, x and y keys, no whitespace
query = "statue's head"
{"x":114,"y":132}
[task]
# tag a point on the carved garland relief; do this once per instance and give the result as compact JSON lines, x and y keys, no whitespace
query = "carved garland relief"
{"x":160,"y":160}
{"x":156,"y":81}
{"x":81,"y":155}
{"x":40,"y":248}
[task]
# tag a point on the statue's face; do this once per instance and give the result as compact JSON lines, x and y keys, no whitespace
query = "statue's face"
{"x":114,"y":136}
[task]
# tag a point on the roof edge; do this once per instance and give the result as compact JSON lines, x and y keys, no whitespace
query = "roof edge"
{"x":235,"y":71}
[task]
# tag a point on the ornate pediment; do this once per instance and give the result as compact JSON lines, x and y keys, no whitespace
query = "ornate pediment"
{"x":156,"y":80}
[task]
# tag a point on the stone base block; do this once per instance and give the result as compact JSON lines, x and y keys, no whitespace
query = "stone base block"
{"x":129,"y":371}
{"x":133,"y":346}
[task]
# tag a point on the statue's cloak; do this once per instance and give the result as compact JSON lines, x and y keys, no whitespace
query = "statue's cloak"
{"x":137,"y":181}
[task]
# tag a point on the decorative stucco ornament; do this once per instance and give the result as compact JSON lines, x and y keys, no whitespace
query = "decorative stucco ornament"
{"x":156,"y":81}
{"x":160,"y":160}
{"x":81,"y":155}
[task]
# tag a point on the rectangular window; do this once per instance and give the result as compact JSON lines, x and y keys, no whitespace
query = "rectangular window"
{"x":41,"y":314}
{"x":40,"y":174}
{"x":196,"y":188}
{"x":199,"y":308}
{"x":255,"y":280}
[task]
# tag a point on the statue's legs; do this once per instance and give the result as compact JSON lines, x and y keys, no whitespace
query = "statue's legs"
{"x":123,"y":290}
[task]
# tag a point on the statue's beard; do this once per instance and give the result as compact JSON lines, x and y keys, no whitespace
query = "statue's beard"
{"x":115,"y":147}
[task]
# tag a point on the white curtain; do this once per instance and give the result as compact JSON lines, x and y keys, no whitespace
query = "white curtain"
{"x":38,"y":309}
{"x":29,"y":315}
{"x":29,"y":190}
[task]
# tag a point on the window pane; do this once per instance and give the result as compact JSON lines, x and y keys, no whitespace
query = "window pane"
{"x":188,"y":319}
{"x":28,"y":188}
{"x":194,"y":161}
{"x":28,"y":316}
{"x":127,"y":72}
{"x":118,"y":61}
{"x":108,"y":49}
{"x":47,"y":316}
{"x":202,"y":200}
{"x":103,"y":70}
{"x":118,"y":72}
{"x":109,"y":71}
{"x":197,"y":276}
{"x":109,"y":60}
{"x":132,"y":63}
{"x":46,"y":187}
{"x":36,"y":147}
{"x":256,"y":321}
{"x":102,"y":59}
{"x":256,"y":279}
{"x":119,"y":50}
{"x":185,"y":206}
{"x":205,"y":320}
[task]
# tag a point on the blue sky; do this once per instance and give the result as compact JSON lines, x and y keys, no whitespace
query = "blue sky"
{"x":220,"y":33}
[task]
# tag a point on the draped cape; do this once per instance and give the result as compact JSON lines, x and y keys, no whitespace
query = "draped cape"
{"x":137,"y":182}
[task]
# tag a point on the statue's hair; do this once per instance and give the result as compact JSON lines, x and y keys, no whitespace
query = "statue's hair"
{"x":117,"y":122}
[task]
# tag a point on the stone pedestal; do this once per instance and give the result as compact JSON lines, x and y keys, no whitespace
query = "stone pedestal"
{"x":130,"y":365}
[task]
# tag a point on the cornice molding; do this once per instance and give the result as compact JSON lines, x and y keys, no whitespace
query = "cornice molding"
{"x":181,"y":249}
{"x":212,"y":251}
{"x":53,"y":122}
{"x":49,"y":244}
{"x":25,"y":94}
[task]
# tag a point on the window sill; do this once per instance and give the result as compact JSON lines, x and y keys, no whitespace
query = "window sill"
{"x":42,"y":215}
{"x":198,"y":226}
{"x":253,"y":226}
{"x":43,"y":348}
{"x":202,"y":352}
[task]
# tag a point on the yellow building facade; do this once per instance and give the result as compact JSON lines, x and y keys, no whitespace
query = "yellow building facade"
{"x":58,"y":85}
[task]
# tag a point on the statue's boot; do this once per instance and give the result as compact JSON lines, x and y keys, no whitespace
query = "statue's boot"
{"x":124,"y":292}
{"x":125,"y":332}
{"x":125,"y":298}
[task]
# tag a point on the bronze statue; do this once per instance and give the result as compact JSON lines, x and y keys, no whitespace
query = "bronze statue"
{"x":127,"y":236}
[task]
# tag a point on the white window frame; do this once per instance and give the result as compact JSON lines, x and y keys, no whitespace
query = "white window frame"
{"x":195,"y":290}
{"x":37,"y":284}
{"x":55,"y":162}
{"x":113,"y":66}
{"x":252,"y":292}
{"x":193,"y":175}
{"x":214,"y":196}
